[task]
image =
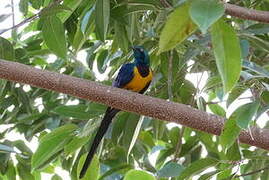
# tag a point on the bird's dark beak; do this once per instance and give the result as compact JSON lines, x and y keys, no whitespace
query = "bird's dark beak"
{"x":133,"y":48}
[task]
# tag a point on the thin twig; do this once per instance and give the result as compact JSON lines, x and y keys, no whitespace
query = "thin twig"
{"x":21,"y":23}
{"x":253,"y":172}
{"x":217,"y":102}
{"x":12,"y":12}
{"x":29,"y":19}
{"x":170,"y":76}
{"x":165,"y":3}
{"x":179,"y":144}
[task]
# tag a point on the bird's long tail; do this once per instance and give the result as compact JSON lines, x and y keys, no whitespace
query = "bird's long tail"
{"x":110,"y":113}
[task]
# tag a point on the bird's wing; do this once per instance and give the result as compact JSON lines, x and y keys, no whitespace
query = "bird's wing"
{"x":125,"y":75}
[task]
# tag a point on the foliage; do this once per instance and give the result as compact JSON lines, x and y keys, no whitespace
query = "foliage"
{"x":200,"y":39}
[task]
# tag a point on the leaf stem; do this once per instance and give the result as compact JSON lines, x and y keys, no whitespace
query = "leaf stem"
{"x":170,"y":76}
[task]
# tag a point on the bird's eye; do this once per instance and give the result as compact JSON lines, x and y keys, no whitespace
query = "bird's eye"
{"x":141,"y":50}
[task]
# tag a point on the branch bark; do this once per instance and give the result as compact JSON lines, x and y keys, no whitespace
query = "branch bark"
{"x":245,"y":13}
{"x":126,"y":100}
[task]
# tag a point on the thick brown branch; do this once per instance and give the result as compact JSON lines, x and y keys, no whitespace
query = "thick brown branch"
{"x":125,"y":100}
{"x":244,"y":13}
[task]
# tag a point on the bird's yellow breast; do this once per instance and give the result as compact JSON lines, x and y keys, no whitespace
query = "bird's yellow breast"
{"x":138,"y":82}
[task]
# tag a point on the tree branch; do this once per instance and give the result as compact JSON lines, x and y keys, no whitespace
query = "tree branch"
{"x":126,"y":100}
{"x":245,"y":13}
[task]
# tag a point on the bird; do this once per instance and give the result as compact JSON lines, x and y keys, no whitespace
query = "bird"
{"x":136,"y":77}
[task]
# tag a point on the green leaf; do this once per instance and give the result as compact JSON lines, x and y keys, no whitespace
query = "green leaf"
{"x":52,"y":143}
{"x":70,"y":4}
{"x":56,"y":177}
{"x":102,"y":20}
{"x":6,"y":50}
{"x":36,"y":3}
{"x":6,"y":149}
{"x":235,"y":93}
{"x":135,"y":134}
{"x":204,"y":13}
{"x":92,"y":172}
{"x":11,"y":171}
{"x":170,"y":169}
{"x":138,"y":174}
{"x":75,"y":111}
{"x":54,"y":35}
{"x":230,"y":132}
{"x":265,"y":97}
{"x":76,"y":143}
{"x":227,"y":53}
{"x":53,"y":10}
{"x":226,"y":174}
{"x":233,"y":153}
{"x":24,"y":172}
{"x":257,"y":42}
{"x":256,"y":68}
{"x":245,"y":113}
{"x":197,"y":167}
{"x":178,"y":27}
{"x":87,"y":20}
{"x":101,"y":61}
{"x":129,"y":130}
{"x":217,"y":109}
{"x":119,"y":168}
{"x":121,"y":37}
{"x":207,"y":176}
{"x":23,"y":6}
{"x":3,"y":17}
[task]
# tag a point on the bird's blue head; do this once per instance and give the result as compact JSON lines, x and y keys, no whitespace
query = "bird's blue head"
{"x":141,"y":56}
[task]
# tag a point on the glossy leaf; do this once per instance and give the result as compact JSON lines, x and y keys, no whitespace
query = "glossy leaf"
{"x":54,"y":35}
{"x":217,"y":109}
{"x":178,"y":27}
{"x":11,"y":172}
{"x":92,"y":172}
{"x":135,"y":135}
{"x":227,"y":53}
{"x":235,"y":93}
{"x":75,"y":143}
{"x":204,"y":13}
{"x":101,"y":61}
{"x":230,"y":132}
{"x":52,"y":143}
{"x":36,"y":3}
{"x":6,"y":50}
{"x":119,"y":168}
{"x":233,"y":153}
{"x":71,"y":5}
{"x":197,"y":167}
{"x":170,"y":169}
{"x":3,"y":17}
{"x":6,"y":149}
{"x":138,"y":174}
{"x":245,"y":113}
{"x":102,"y":20}
{"x":23,"y":6}
{"x":75,"y":111}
